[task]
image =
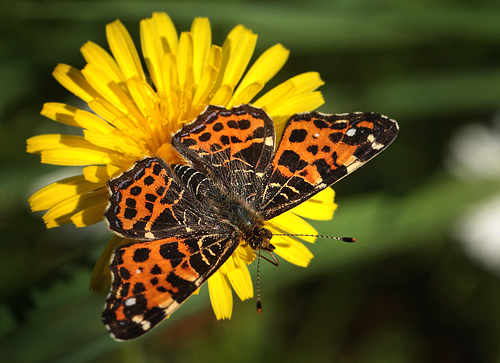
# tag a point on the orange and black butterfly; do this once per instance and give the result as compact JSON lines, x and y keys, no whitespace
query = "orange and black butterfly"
{"x":190,"y":219}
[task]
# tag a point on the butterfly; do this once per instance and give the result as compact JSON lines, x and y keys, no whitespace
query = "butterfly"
{"x":189,"y":219}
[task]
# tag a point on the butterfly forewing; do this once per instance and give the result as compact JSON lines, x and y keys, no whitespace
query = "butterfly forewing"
{"x":317,"y":150}
{"x":151,"y":279}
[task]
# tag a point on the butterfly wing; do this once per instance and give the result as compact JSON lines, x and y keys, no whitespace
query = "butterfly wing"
{"x":317,"y":150}
{"x":150,"y":202}
{"x":187,"y":244}
{"x":151,"y":279}
{"x":233,"y":147}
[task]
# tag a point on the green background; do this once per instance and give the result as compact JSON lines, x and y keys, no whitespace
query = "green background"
{"x":406,"y":291}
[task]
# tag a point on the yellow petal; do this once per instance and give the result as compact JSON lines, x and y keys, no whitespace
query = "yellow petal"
{"x":90,"y":121}
{"x":320,"y":207}
{"x":113,"y":171}
{"x":246,"y":95}
{"x":205,"y":85}
{"x":202,"y":41}
{"x":292,"y":251}
{"x":222,"y":96}
{"x":62,"y":212}
{"x":307,"y":82}
{"x":90,"y":215}
{"x":113,"y":115}
{"x":185,"y":60}
{"x":170,"y":78}
{"x":101,"y":59}
{"x":240,"y":279}
{"x":296,"y":104}
{"x":74,"y":81}
{"x":60,"y":112}
{"x":143,"y":95}
{"x":220,"y":295}
{"x":124,"y":50}
{"x":55,"y":193}
{"x":76,"y":156}
{"x":292,"y":224}
{"x":237,"y":51}
{"x":115,"y":142}
{"x":167,"y":33}
{"x":245,"y":253}
{"x":152,"y":51}
{"x":300,"y":103}
{"x":96,"y":174}
{"x":229,"y":265}
{"x":37,"y":144}
{"x":109,"y":90}
{"x":301,"y":84}
{"x":215,"y":57}
{"x":101,"y":278}
{"x":265,"y":67}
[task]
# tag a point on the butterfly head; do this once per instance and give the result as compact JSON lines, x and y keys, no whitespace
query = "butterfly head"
{"x":260,"y":239}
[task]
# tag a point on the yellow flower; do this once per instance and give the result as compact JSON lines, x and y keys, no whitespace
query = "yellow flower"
{"x":134,"y":113}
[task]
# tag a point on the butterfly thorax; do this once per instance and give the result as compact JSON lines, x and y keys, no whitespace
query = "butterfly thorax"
{"x":251,"y":226}
{"x":248,"y":222}
{"x":229,"y":208}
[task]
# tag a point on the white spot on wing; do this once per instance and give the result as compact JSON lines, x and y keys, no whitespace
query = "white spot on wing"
{"x":130,"y":301}
{"x":351,"y":132}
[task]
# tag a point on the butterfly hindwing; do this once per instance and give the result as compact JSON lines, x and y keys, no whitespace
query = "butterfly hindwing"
{"x":232,"y":147}
{"x":150,"y":202}
{"x":317,"y":150}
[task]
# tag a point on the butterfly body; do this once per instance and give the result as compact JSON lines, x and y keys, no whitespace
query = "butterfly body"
{"x":190,"y":219}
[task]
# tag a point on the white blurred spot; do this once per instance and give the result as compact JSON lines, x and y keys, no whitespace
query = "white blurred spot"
{"x":351,"y":132}
{"x":474,"y":152}
{"x":479,"y":233}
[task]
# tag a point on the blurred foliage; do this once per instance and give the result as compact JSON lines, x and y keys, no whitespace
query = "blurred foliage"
{"x":405,"y":292}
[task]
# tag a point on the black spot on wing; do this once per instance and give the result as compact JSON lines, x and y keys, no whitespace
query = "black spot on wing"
{"x":156,"y":270}
{"x":313,"y":149}
{"x":124,"y":273}
{"x":149,"y":180}
{"x":320,"y":124}
{"x":136,"y":190}
{"x":185,"y":287}
{"x":141,"y":254}
{"x":291,"y":160}
{"x":205,"y":137}
{"x":138,"y":288}
{"x":218,"y":127}
{"x":298,"y":135}
{"x":335,"y":137}
{"x":170,"y":251}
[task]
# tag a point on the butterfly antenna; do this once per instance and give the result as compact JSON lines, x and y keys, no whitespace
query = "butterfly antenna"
{"x":259,"y":304}
{"x":343,"y":239}
{"x":273,"y":262}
